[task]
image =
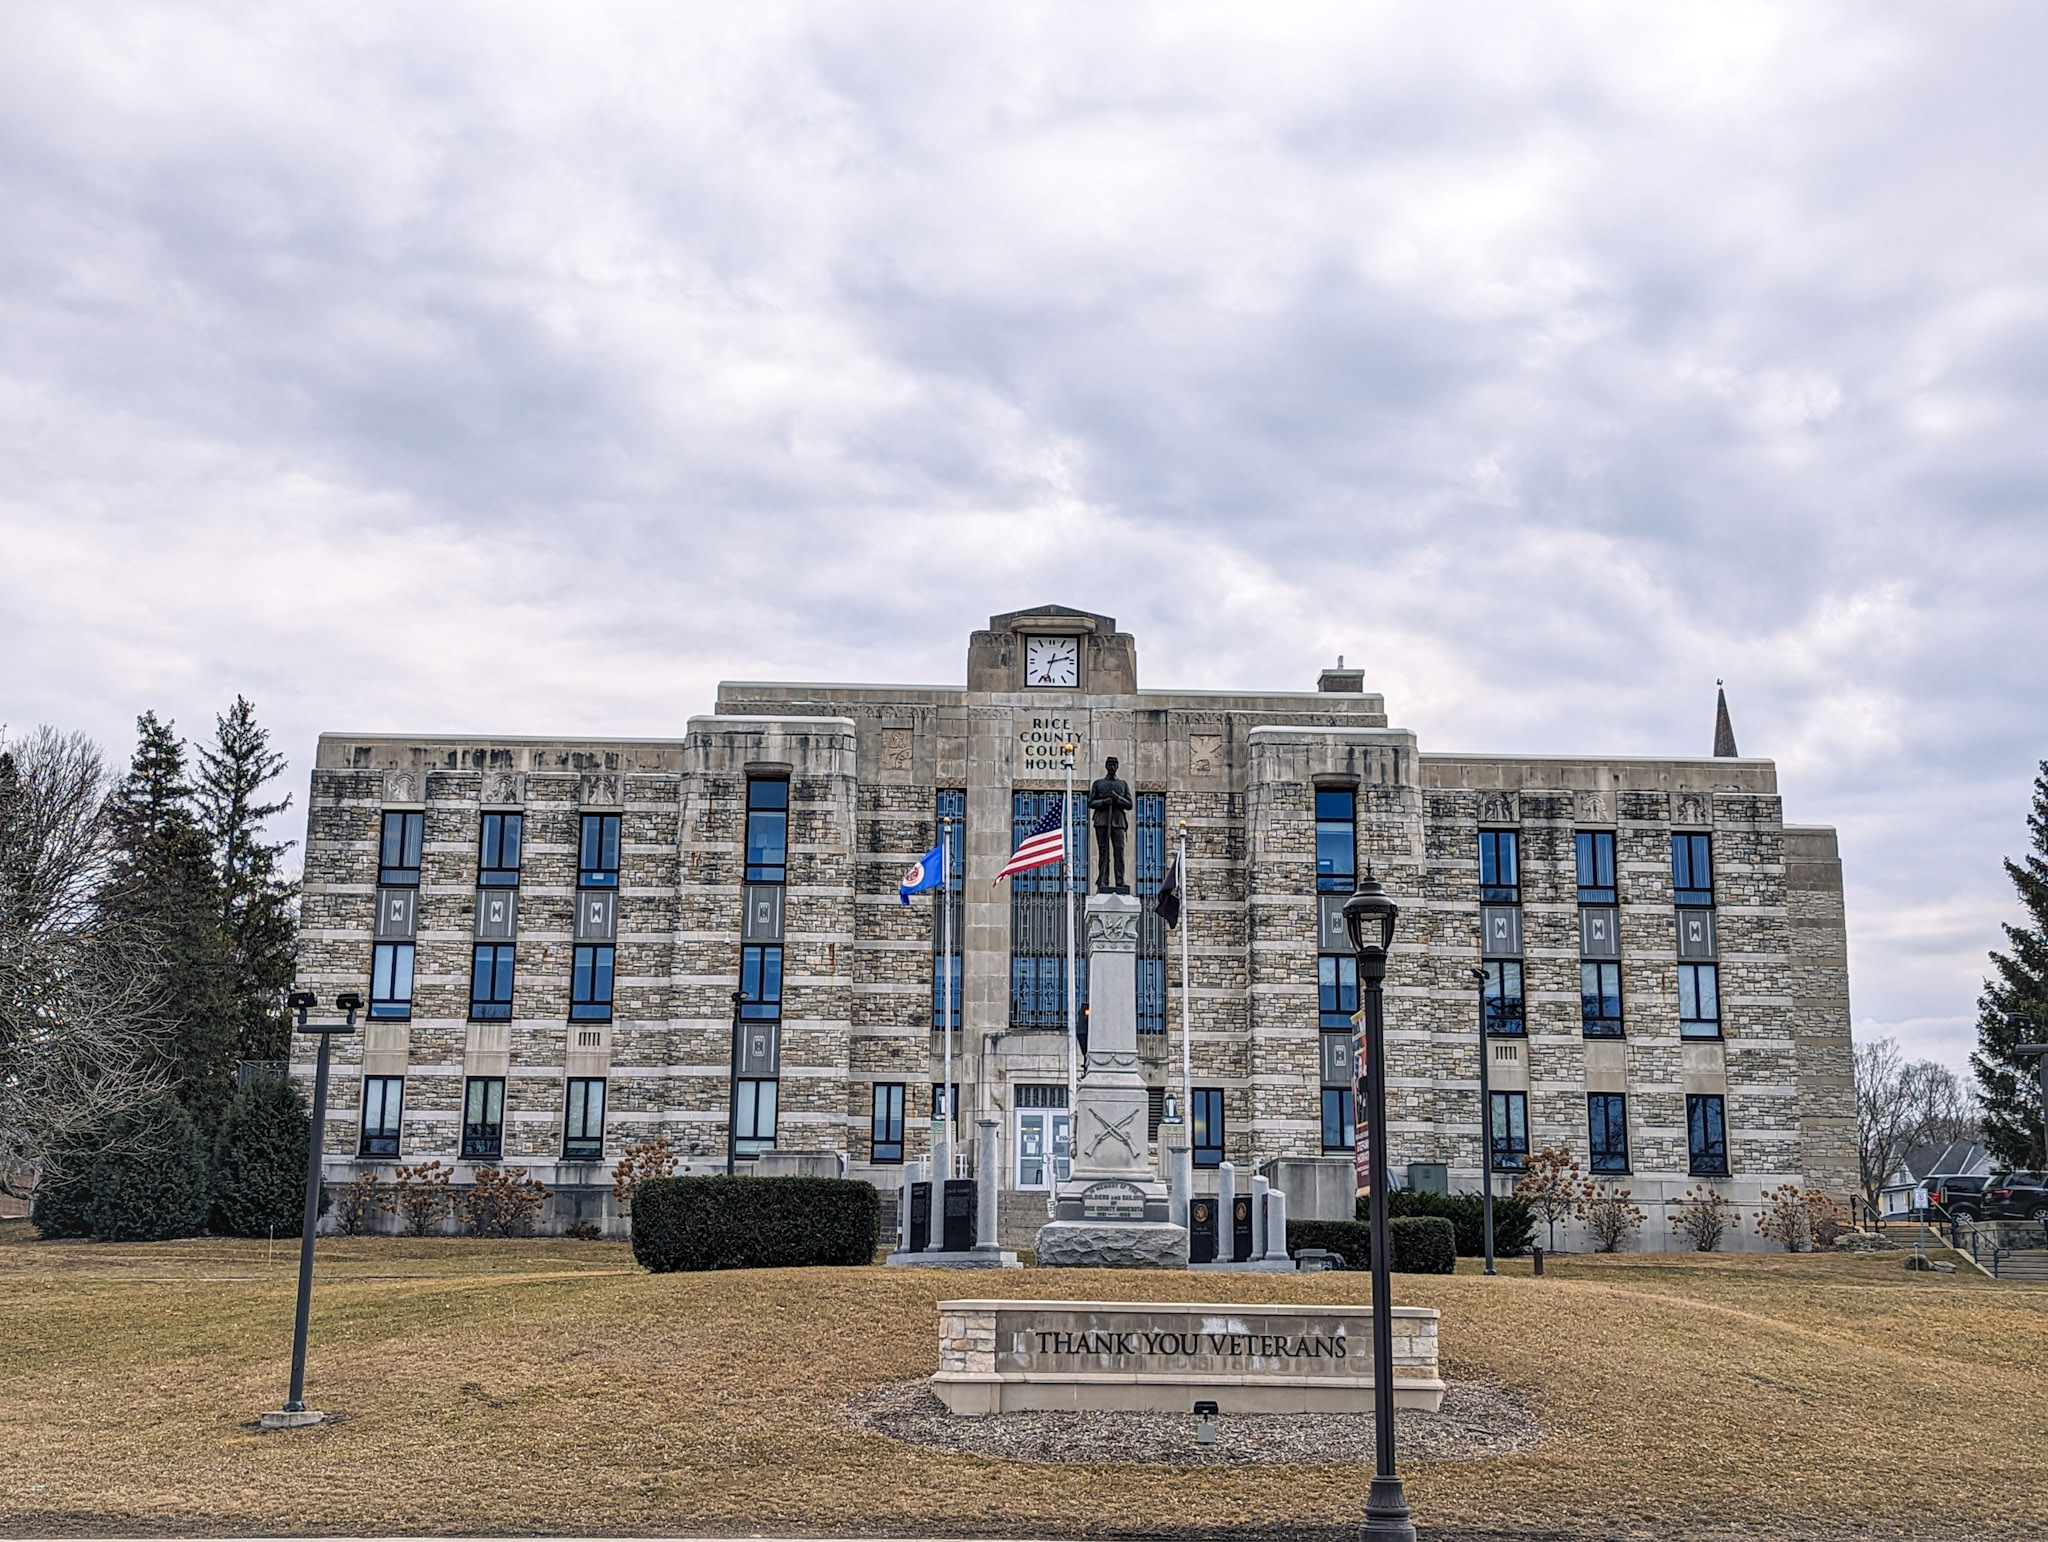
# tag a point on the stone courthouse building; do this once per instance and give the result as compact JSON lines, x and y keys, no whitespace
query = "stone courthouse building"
{"x":568,"y":946}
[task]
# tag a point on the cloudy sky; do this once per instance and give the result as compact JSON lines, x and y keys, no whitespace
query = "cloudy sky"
{"x":523,"y":369}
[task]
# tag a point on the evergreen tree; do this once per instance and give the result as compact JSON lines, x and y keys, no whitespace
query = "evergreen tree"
{"x":2014,"y":1010}
{"x":153,"y":1184}
{"x":259,"y":1160}
{"x":256,"y":903}
{"x":63,"y":1200}
{"x":162,"y":887}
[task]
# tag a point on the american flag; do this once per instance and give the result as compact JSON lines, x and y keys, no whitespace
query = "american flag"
{"x":1046,"y":842}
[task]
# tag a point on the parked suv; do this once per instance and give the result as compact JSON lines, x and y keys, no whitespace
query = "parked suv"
{"x":2018,"y":1197}
{"x":1960,"y":1199}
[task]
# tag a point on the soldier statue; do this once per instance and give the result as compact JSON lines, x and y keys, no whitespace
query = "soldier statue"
{"x":1109,"y":804}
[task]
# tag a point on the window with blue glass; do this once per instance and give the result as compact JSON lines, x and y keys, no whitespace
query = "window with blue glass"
{"x":498,"y":859}
{"x":950,"y":811}
{"x":754,"y":1130}
{"x":383,"y":1105}
{"x":483,"y":1119}
{"x":1148,"y":871}
{"x":1038,"y":922}
{"x":767,"y":830}
{"x":1699,"y":1001}
{"x":391,"y":979}
{"x":1208,"y":1126}
{"x":398,"y":851}
{"x":583,"y":1122}
{"x":1607,"y":1131}
{"x":1692,"y":869}
{"x":1706,"y":1135}
{"x":597,"y":860}
{"x":1509,"y":1142}
{"x":1600,"y":999}
{"x":761,"y":981}
{"x":490,"y":981}
{"x":1596,"y":867}
{"x":1336,"y":842}
{"x":590,"y":982}
{"x":1339,"y":1132}
{"x":1337,"y":989}
{"x":887,"y":1126}
{"x":1500,"y":997}
{"x":1500,"y":867}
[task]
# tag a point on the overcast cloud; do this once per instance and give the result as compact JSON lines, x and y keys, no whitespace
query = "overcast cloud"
{"x":493,"y":368}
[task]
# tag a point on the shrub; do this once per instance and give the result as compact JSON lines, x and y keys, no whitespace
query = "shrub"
{"x":151,"y":1183}
{"x":63,"y":1205}
{"x":1611,"y":1218}
{"x":585,"y":1231}
{"x":259,"y":1160}
{"x":1550,"y":1187}
{"x":754,"y":1223}
{"x":502,"y":1202}
{"x":639,"y":1162}
{"x":1513,"y":1224}
{"x":360,"y":1198}
{"x":421,"y":1195}
{"x":1420,"y":1244}
{"x":1827,"y":1218}
{"x":1785,"y":1218}
{"x":1702,"y":1218}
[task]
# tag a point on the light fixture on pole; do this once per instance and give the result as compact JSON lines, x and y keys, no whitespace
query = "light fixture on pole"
{"x":2040,"y":1054}
{"x":1369,"y":917}
{"x":1485,"y":1122}
{"x":295,"y":1412}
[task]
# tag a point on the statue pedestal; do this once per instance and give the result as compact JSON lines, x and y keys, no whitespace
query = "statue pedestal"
{"x":1112,"y":1212}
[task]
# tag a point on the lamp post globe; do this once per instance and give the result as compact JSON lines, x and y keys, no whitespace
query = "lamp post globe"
{"x":1370,"y":916}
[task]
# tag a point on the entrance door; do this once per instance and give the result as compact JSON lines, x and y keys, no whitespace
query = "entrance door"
{"x":1044,"y":1147}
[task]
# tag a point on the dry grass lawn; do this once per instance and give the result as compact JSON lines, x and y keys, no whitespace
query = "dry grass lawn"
{"x":553,"y":1387}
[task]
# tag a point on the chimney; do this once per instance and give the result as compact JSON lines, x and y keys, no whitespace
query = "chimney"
{"x":1351,"y":681}
{"x":1724,"y":731}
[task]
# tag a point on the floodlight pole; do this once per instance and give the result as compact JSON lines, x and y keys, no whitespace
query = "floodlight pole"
{"x":2040,"y":1054}
{"x":302,"y":1003}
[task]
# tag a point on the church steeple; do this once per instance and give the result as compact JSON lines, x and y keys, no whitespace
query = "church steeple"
{"x":1724,"y":731}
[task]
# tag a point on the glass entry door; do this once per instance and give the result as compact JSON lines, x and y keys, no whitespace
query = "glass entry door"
{"x":1044,"y":1147}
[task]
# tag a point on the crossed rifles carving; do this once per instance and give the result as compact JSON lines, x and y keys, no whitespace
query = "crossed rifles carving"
{"x":1117,"y":1130}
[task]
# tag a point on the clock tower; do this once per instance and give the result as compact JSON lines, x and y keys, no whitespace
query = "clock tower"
{"x":1052,"y":649}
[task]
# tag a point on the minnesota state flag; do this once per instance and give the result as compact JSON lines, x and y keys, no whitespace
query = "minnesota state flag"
{"x":927,"y":872}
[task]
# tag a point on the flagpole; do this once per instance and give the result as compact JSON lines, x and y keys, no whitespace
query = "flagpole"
{"x":946,"y":990}
{"x":1073,"y":1018}
{"x":1187,"y":1073}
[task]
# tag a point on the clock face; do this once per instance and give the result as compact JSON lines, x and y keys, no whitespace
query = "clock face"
{"x":1052,"y":661}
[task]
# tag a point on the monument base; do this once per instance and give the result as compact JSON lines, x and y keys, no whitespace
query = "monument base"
{"x":973,"y":1258}
{"x":1112,"y":1245}
{"x":290,"y":1419}
{"x":1249,"y":1266}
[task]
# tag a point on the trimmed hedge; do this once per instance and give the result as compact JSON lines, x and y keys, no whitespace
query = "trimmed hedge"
{"x":1421,"y":1244}
{"x":1514,"y":1226}
{"x":754,"y":1223}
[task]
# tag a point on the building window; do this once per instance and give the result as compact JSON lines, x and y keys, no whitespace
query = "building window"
{"x":950,"y":808}
{"x":590,"y":983}
{"x":1600,"y":999}
{"x":1510,"y":1142}
{"x":398,"y":859}
{"x":1339,"y":1133}
{"x":391,"y":979}
{"x":1337,"y":989}
{"x":498,"y":861}
{"x":1699,"y":1001}
{"x":1208,"y":1126}
{"x":1500,"y":867}
{"x":383,"y":1103}
{"x":755,"y":1132}
{"x":1706,"y":1135}
{"x":1336,"y":842}
{"x":1500,"y":998}
{"x":951,"y":1112}
{"x":1148,"y":871}
{"x":1607,"y":1126}
{"x":583,"y":1125}
{"x":1596,"y":867}
{"x":483,"y":1119}
{"x":1692,"y":869}
{"x":761,"y":981}
{"x":597,"y":852}
{"x":888,"y":1122}
{"x":767,"y":831}
{"x":490,"y":982}
{"x":1038,"y":924}
{"x":1044,"y":1135}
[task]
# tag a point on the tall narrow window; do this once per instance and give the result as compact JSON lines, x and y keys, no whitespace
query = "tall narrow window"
{"x":1510,"y":1133}
{"x":1596,"y":867}
{"x":590,"y":983}
{"x":1208,"y":1126}
{"x":1038,"y":922}
{"x":1336,"y":842}
{"x":1706,"y":1135}
{"x":483,"y":1119}
{"x":490,"y":982}
{"x":1148,"y":871}
{"x":888,"y":1122}
{"x":949,"y":809}
{"x":1337,"y":989}
{"x":498,"y":859}
{"x":767,"y":831}
{"x":1501,"y":996}
{"x":755,"y":1132}
{"x":1607,"y":1131}
{"x":391,"y":979}
{"x":398,"y":856}
{"x":952,"y":1106}
{"x":761,"y":982}
{"x":583,"y":1123}
{"x":1699,"y":1001}
{"x":383,"y":1103}
{"x":1692,"y":869}
{"x":597,"y":852}
{"x":1600,"y":998}
{"x":1500,"y":867}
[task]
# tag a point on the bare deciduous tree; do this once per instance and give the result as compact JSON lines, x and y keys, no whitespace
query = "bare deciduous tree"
{"x":1901,"y":1105}
{"x":1550,"y":1187}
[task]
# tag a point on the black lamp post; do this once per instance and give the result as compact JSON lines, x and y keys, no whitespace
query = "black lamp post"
{"x":732,"y":1092}
{"x":2040,"y":1054}
{"x":1369,"y":917}
{"x":303,"y":1002}
{"x":1485,"y":1121}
